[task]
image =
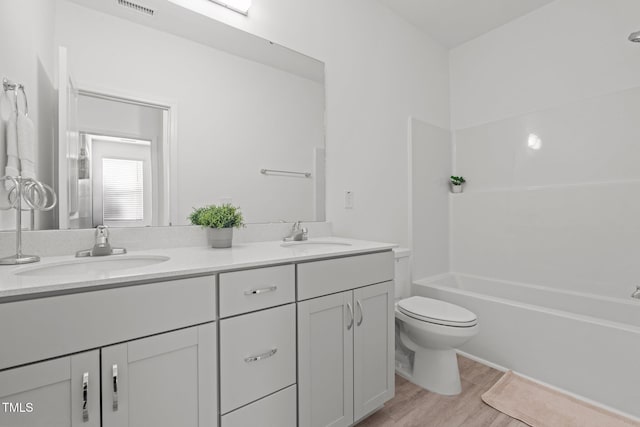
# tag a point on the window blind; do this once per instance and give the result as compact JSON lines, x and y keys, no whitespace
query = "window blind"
{"x":122,"y":190}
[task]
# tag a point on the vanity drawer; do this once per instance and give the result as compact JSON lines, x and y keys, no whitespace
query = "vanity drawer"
{"x":257,"y":355}
{"x":278,"y":409}
{"x":251,"y":290}
{"x":331,"y":276}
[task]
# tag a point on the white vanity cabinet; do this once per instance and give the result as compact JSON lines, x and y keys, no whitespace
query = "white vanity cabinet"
{"x":59,"y":392}
{"x":345,"y":339}
{"x":140,"y":355}
{"x":306,"y":342}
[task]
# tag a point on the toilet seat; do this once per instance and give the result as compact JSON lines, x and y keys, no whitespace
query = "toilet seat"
{"x":437,"y":312}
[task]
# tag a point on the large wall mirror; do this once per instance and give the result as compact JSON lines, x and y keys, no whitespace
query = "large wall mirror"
{"x":160,"y":110}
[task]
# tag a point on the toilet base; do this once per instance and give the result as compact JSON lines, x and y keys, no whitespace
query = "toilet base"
{"x":437,"y":371}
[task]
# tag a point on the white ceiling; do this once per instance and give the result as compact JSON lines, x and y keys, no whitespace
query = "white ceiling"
{"x":453,"y":22}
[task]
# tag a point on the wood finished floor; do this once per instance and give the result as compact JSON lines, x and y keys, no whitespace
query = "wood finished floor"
{"x":414,"y":406}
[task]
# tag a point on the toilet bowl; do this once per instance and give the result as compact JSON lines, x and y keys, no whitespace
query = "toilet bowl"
{"x":433,"y":329}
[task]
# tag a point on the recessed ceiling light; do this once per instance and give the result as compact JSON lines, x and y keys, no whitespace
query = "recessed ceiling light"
{"x":199,"y":6}
{"x":240,"y":6}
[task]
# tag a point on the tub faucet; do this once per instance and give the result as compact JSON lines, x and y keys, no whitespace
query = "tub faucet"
{"x":297,"y":233}
{"x":101,"y":247}
{"x":636,"y":294}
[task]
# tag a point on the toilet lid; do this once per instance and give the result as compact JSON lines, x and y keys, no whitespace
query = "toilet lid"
{"x":437,"y":311}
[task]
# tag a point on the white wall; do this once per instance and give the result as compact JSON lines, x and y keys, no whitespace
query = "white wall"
{"x":563,"y":52}
{"x":379,"y":72}
{"x":26,"y":49}
{"x":234,"y":116}
{"x":430,"y":166}
{"x":568,"y":214}
{"x":113,"y":118}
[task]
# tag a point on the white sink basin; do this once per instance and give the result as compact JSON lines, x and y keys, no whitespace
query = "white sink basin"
{"x":93,"y":266}
{"x":319,"y":244}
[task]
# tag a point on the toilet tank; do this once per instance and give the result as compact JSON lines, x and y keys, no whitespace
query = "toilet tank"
{"x":402,"y":274}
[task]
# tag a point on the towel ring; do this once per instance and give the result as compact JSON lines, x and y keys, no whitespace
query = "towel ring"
{"x":54,"y":198}
{"x":15,"y":184}
{"x":34,"y":193}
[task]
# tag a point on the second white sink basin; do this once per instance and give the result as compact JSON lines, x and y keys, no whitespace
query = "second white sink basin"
{"x":93,"y":266}
{"x":306,"y":244}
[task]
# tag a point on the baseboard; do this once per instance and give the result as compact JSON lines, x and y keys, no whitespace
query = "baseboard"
{"x":482,"y":361}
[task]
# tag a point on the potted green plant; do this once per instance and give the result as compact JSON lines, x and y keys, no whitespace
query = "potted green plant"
{"x":456,"y":184}
{"x":219,"y":222}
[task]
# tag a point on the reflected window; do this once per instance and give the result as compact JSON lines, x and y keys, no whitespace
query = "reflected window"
{"x":122,"y":190}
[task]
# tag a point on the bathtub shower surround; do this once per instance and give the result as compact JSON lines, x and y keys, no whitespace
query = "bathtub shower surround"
{"x":555,"y":169}
{"x":560,"y":216}
{"x":543,"y":243}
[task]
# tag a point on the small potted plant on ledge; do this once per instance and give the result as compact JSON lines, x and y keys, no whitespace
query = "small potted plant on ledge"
{"x":456,"y":184}
{"x":219,"y":222}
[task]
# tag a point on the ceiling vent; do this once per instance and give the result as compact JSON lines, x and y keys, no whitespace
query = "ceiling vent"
{"x":137,"y":7}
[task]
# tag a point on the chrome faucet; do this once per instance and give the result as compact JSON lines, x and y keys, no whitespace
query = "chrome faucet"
{"x":101,"y":247}
{"x":636,"y":294}
{"x":297,"y":233}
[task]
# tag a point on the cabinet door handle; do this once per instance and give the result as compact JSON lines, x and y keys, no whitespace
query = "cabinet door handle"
{"x":260,"y":290}
{"x":114,"y":377}
{"x":262,"y":356}
{"x":361,"y":313}
{"x":85,"y":397}
{"x":350,"y":325}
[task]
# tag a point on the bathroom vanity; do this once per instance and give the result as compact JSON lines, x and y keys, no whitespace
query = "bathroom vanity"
{"x":259,"y":334}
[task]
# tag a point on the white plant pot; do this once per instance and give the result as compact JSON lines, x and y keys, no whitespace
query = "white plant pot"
{"x":220,"y":237}
{"x":456,"y":188}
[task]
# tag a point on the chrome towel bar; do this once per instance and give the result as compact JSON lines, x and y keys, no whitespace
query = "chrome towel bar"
{"x":275,"y":171}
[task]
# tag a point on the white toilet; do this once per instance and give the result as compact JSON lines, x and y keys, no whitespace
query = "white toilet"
{"x":431,"y":329}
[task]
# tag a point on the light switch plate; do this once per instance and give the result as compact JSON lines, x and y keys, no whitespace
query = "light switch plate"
{"x":348,"y":199}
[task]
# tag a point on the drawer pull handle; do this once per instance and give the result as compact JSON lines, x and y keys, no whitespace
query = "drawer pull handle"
{"x":262,"y":356}
{"x":361,"y":312}
{"x":261,"y":290}
{"x":114,"y":375}
{"x":85,"y":397}
{"x":350,"y":325}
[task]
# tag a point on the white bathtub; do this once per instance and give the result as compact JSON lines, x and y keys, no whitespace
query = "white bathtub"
{"x":583,"y":343}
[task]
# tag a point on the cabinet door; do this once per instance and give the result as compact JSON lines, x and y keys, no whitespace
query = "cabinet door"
{"x":325,"y":361}
{"x":164,"y":380}
{"x":373,"y":349}
{"x":62,"y":392}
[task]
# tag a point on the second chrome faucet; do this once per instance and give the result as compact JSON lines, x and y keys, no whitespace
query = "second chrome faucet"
{"x":297,"y":233}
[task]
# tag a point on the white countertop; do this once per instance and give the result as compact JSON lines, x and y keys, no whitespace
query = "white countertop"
{"x":182,"y":262}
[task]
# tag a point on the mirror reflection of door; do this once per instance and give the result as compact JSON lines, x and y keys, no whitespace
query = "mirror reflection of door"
{"x":120,"y":163}
{"x":117,"y":189}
